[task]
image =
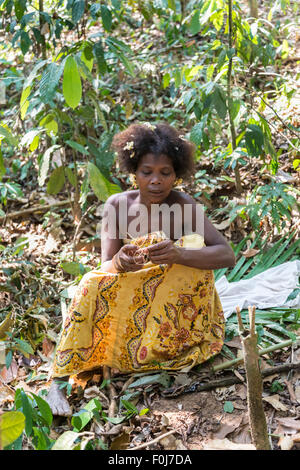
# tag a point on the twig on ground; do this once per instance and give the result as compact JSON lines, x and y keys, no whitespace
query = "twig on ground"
{"x":41,"y":208}
{"x":78,"y":227}
{"x":262,"y":352}
{"x":112,"y":394}
{"x":157,"y":439}
{"x":126,"y":385}
{"x":227,"y":381}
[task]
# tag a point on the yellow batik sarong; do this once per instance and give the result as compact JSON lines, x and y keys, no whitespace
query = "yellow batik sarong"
{"x":160,"y":317}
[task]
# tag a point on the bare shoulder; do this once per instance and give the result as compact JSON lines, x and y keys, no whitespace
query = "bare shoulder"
{"x":115,"y":199}
{"x":182,"y":198}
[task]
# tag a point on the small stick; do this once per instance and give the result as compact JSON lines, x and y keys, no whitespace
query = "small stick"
{"x":126,"y":385}
{"x":112,"y":393}
{"x":275,"y":347}
{"x":227,"y":381}
{"x":157,"y":439}
{"x":252,"y":320}
{"x":240,"y":323}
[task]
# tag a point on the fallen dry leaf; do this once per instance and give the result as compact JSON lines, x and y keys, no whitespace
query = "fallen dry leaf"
{"x":222,"y":225}
{"x":6,"y":395}
{"x":274,"y":401}
{"x":285,"y":442}
{"x":50,"y":245}
{"x":296,"y":438}
{"x":289,"y":423}
{"x":239,"y":406}
{"x":297,"y":393}
{"x":180,"y":445}
{"x":10,"y":374}
{"x":291,"y":390}
{"x":81,"y":379}
{"x":47,"y":347}
{"x":241,"y":391}
{"x":225,"y":444}
{"x":229,"y":424}
{"x":235,"y":343}
{"x":169,"y":443}
{"x":121,"y":442}
{"x":251,"y":252}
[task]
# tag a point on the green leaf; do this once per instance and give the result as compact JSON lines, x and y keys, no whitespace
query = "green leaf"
{"x":228,"y":407}
{"x":40,"y":439}
{"x":106,"y":17}
{"x":71,"y":177}
{"x":163,"y":379}
{"x":23,"y":345}
{"x":81,"y":419}
{"x":45,"y":164}
{"x":219,"y":102}
{"x":65,"y":441}
{"x":99,"y":55}
{"x":56,"y":180}
{"x":72,"y":267}
{"x":24,"y":103}
{"x":33,"y":74}
{"x":50,"y":80}
{"x":27,"y":410}
{"x":196,"y":134}
{"x":8,"y":359}
{"x":25,"y":42}
{"x":254,"y":140}
{"x":20,"y":7}
{"x":8,"y":136}
{"x":72,"y":89}
{"x":44,"y":408}
{"x":29,"y":137}
{"x":194,"y":25}
{"x":99,"y":184}
{"x":12,"y":424}
{"x":78,"y":10}
{"x":76,"y":146}
{"x":2,"y":166}
{"x":49,"y":123}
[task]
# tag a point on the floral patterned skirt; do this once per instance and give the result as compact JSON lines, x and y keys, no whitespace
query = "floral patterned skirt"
{"x":160,"y":317}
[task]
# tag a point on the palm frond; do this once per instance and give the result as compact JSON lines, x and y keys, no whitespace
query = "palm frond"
{"x":276,"y":324}
{"x":246,"y":268}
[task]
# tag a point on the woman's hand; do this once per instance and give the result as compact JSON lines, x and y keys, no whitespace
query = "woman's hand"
{"x":164,"y":252}
{"x":127,"y":259}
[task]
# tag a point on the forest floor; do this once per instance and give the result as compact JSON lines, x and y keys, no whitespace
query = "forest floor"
{"x":36,"y":290}
{"x":216,"y":418}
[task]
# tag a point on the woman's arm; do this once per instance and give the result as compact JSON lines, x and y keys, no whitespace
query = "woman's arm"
{"x":115,"y":256}
{"x":216,"y":254}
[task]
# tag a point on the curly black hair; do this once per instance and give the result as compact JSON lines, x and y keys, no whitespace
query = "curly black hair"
{"x":139,"y":139}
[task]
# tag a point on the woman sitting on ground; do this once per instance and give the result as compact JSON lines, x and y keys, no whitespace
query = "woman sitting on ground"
{"x":153,"y":303}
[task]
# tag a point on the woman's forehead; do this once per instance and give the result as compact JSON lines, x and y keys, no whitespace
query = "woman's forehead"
{"x":151,"y":159}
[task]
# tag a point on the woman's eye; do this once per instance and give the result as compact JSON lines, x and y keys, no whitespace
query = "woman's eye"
{"x":146,"y":173}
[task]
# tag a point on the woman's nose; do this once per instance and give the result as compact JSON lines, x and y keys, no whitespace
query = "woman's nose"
{"x":155,"y":179}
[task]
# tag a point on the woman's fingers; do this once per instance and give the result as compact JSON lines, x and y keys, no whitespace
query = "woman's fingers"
{"x":158,"y":246}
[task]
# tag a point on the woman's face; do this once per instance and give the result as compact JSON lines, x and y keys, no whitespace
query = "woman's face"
{"x":155,"y":177}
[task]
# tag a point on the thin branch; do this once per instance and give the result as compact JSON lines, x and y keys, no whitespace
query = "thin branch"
{"x":275,"y":347}
{"x":157,"y":439}
{"x":277,"y":115}
{"x":78,"y":228}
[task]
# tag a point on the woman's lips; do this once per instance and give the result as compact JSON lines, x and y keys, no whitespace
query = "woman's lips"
{"x":156,"y":191}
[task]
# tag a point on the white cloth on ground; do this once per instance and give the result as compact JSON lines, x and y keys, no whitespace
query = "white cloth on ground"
{"x":270,"y":288}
